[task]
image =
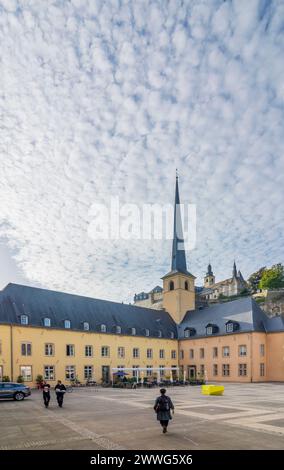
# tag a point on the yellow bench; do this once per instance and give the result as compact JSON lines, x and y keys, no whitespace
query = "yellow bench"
{"x":213,"y":389}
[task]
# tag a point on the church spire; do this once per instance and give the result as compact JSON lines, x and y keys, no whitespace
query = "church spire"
{"x":235,"y":270}
{"x":178,"y":251}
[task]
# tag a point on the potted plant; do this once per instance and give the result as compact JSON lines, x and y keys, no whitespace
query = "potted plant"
{"x":6,"y":378}
{"x":39,"y":380}
{"x":20,"y":379}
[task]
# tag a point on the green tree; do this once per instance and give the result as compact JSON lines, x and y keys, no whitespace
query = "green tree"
{"x":254,"y":279}
{"x":273,"y":277}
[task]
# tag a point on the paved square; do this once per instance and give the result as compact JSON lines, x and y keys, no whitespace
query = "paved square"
{"x":248,"y":416}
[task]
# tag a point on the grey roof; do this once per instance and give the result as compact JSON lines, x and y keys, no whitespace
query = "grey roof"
{"x":16,"y":300}
{"x":246,"y":312}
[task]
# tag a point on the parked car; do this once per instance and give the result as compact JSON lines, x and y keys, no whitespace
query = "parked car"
{"x":14,"y":390}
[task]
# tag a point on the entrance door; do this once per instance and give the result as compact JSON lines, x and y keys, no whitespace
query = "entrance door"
{"x":191,"y":372}
{"x":105,"y":374}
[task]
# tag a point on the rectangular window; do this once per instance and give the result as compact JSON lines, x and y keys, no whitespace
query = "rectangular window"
{"x":89,"y":351}
{"x":202,"y":369}
{"x":262,"y":349}
{"x":135,"y":352}
{"x":230,"y":327}
{"x":120,"y":367}
{"x":242,"y":350}
{"x":242,"y":369}
{"x":181,"y":354}
{"x":49,"y":349}
{"x":226,"y":351}
{"x":26,"y":349}
{"x":149,"y":371}
{"x":173,"y":354}
{"x":121,"y":352}
{"x":135,"y":373}
{"x":70,"y":372}
{"x":262,"y":370}
{"x":149,"y":353}
{"x":191,"y":354}
{"x":88,"y":372}
{"x":26,"y":373}
{"x":201,"y":353}
{"x":215,"y":369}
{"x":70,"y":350}
{"x":226,"y":370}
{"x":105,"y":351}
{"x":162,"y":370}
{"x":215,"y":352}
{"x":162,"y":354}
{"x":49,"y":373}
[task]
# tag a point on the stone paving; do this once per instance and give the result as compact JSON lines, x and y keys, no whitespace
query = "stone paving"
{"x":248,"y":416}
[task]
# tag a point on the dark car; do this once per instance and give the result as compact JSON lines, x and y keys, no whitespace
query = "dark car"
{"x":14,"y":390}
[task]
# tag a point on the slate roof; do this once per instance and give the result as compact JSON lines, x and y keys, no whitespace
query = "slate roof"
{"x":246,"y":312}
{"x":16,"y":300}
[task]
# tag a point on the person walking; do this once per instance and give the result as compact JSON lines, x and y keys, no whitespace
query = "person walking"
{"x":46,"y":394}
{"x":60,"y":389}
{"x":163,"y":407}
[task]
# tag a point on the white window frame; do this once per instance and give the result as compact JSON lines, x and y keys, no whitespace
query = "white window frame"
{"x":71,"y":348}
{"x":230,"y":327}
{"x":86,"y":326}
{"x":135,"y":352}
{"x":133,"y":331}
{"x":24,"y":319}
{"x":226,"y":351}
{"x":49,"y":372}
{"x":27,"y":378}
{"x":88,"y":368}
{"x":118,"y":329}
{"x":105,"y":349}
{"x":162,"y":354}
{"x":121,"y":352}
{"x":103,"y":328}
{"x":88,"y":348}
{"x":47,"y":322}
{"x":70,"y":372}
{"x":49,"y":349}
{"x":147,"y":332}
{"x":149,"y":353}
{"x":242,"y":350}
{"x":26,"y":349}
{"x":67,"y":324}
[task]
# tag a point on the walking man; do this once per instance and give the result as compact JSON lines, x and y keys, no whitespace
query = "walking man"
{"x":60,"y":389}
{"x":163,"y":407}
{"x":46,"y":394}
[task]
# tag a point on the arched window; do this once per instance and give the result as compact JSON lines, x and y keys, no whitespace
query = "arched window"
{"x":67,"y":324}
{"x":24,"y":320}
{"x":103,"y":328}
{"x":133,"y":331}
{"x":46,"y":322}
{"x":172,"y":286}
{"x":186,"y":285}
{"x":86,"y":326}
{"x":118,"y":329}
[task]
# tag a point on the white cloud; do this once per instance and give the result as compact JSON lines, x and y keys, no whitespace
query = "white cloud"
{"x":101,"y":99}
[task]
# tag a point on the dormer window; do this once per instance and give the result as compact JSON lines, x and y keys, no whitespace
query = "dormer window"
{"x":172,"y":335}
{"x":159,"y":334}
{"x":147,"y":332}
{"x":67,"y":324}
{"x":47,"y":322}
{"x":24,"y":320}
{"x":211,"y":329}
{"x":103,"y":328}
{"x":133,"y":331}
{"x":231,"y":326}
{"x":86,"y":326}
{"x":118,"y":329}
{"x":189,"y":332}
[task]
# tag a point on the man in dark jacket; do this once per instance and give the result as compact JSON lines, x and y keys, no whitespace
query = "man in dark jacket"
{"x":60,"y":389}
{"x":163,"y":407}
{"x":46,"y":393}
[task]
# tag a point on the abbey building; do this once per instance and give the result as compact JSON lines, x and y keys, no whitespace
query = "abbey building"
{"x":178,"y":330}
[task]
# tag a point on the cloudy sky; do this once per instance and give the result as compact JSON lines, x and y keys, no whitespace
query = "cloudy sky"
{"x":102,"y":99}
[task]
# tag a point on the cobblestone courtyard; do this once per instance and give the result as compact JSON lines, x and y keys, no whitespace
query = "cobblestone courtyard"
{"x":248,"y":416}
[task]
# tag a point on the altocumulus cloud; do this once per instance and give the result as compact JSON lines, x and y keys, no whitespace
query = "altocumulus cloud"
{"x":106,"y":98}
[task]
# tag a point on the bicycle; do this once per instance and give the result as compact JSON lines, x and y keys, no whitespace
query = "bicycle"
{"x":69,"y":388}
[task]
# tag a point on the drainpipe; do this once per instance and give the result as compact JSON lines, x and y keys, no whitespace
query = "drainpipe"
{"x":11,"y":353}
{"x":251,"y":363}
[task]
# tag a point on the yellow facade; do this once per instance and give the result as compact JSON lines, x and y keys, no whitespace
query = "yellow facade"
{"x":39,"y":337}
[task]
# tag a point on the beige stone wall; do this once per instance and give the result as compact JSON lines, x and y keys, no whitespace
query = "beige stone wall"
{"x":178,"y":301}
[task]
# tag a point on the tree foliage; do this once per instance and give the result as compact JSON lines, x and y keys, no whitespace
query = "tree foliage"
{"x":255,"y":278}
{"x":272,"y":278}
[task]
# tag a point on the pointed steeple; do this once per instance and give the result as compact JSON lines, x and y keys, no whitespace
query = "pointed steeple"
{"x":209,"y":270}
{"x":178,"y":251}
{"x":235,"y":270}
